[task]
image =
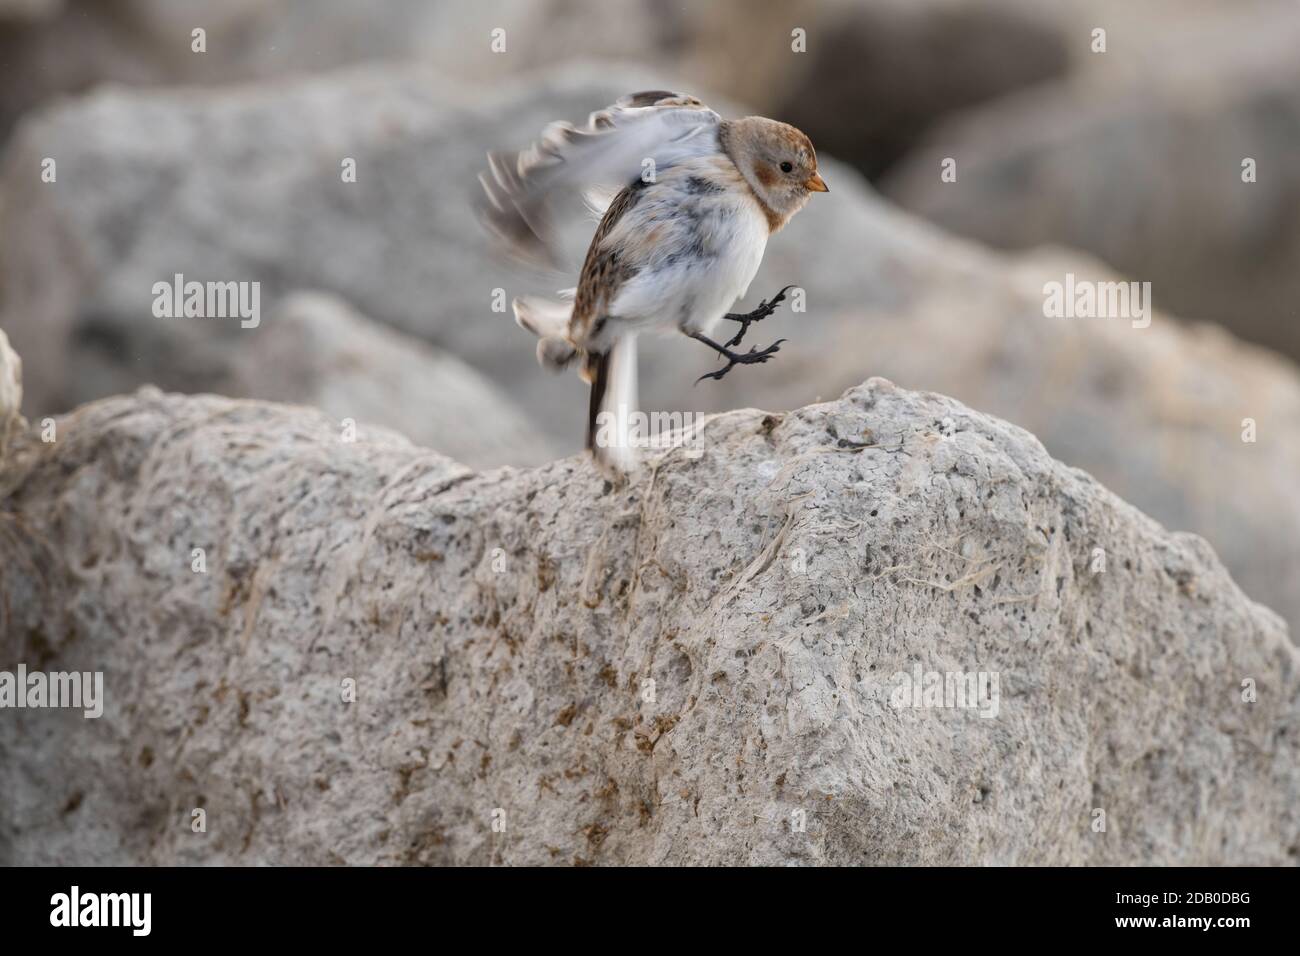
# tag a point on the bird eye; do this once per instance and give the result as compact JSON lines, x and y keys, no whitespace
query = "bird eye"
{"x":786,"y":167}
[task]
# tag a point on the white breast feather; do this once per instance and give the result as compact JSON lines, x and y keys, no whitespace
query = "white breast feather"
{"x":696,"y":253}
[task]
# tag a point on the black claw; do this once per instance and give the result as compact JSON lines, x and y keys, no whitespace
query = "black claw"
{"x":752,"y":357}
{"x":765,"y":308}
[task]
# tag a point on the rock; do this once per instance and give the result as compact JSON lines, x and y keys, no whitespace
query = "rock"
{"x":704,"y":667}
{"x":868,"y":89}
{"x":1141,"y":164}
{"x":318,"y":351}
{"x":1197,"y":428}
{"x":11,"y":394}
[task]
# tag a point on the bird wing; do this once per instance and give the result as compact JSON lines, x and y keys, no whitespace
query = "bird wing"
{"x":525,"y":192}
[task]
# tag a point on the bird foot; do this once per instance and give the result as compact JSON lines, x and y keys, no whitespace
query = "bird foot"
{"x":765,"y":308}
{"x":752,"y":357}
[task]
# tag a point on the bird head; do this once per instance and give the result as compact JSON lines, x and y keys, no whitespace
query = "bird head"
{"x":777,"y":160}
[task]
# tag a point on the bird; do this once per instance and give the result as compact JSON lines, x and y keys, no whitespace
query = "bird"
{"x":685,"y":200}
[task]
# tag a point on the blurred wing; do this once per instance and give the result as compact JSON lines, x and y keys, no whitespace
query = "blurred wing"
{"x":524,"y":193}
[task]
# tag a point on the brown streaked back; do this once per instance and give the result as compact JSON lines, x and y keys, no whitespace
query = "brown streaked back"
{"x":603,"y":271}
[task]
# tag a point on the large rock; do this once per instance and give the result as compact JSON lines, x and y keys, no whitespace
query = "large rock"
{"x":1197,"y":428}
{"x":699,"y":668}
{"x":1140,"y":161}
{"x":245,"y":185}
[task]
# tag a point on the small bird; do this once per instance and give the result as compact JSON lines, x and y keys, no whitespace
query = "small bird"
{"x":686,"y":201}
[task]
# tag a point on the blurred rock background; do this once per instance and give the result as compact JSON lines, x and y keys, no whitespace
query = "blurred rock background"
{"x":378,"y":295}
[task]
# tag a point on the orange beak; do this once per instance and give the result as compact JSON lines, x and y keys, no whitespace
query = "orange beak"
{"x":816,"y":184}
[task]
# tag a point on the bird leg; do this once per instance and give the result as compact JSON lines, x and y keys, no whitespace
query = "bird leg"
{"x":762,"y":312}
{"x":752,"y":357}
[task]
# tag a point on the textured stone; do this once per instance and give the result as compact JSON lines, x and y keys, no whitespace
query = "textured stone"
{"x":1160,"y":413}
{"x":502,"y":630}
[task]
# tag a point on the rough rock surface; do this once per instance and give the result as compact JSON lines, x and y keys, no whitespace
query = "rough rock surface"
{"x":245,"y":185}
{"x":1194,"y":427}
{"x":1139,"y":161}
{"x":502,"y":630}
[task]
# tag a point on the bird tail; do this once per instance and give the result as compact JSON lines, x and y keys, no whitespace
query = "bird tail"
{"x":613,"y":400}
{"x":549,"y":321}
